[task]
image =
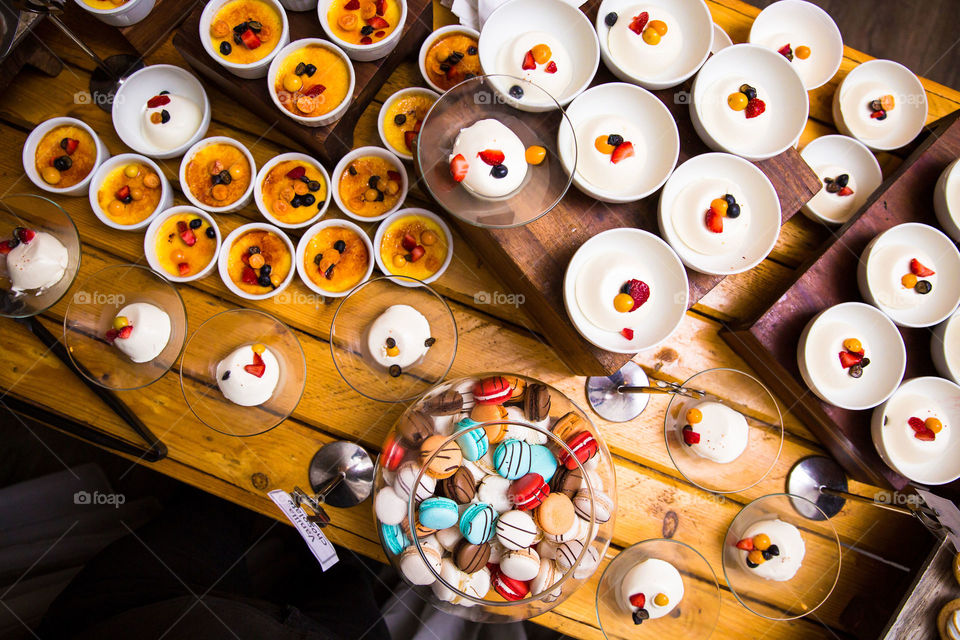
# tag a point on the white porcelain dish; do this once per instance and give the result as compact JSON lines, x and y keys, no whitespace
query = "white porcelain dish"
{"x":428,"y":42}
{"x":257,"y":69}
{"x":945,"y":347}
{"x":129,"y":13}
{"x":830,"y":156}
{"x":363,"y":52}
{"x":360,"y":152}
{"x":382,"y":229}
{"x":223,"y":259}
{"x":166,"y":191}
{"x":721,"y":39}
{"x":312,"y":121}
{"x":302,"y":251}
{"x":150,"y":244}
{"x":388,"y":103}
{"x":243,"y":200}
{"x":30,"y":153}
{"x":262,"y":174}
{"x":946,"y":200}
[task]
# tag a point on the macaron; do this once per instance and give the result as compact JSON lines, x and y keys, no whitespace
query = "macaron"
{"x":528,"y":492}
{"x":525,"y":432}
{"x":512,"y":459}
{"x":494,"y":490}
{"x":392,"y":454}
{"x":569,"y":424}
{"x":447,"y":459}
{"x":493,"y":390}
{"x":389,"y":506}
{"x":589,"y":564}
{"x":599,"y":509}
{"x":516,"y":530}
{"x":547,"y":575}
{"x":473,"y":441}
{"x":405,"y":479}
{"x":567,"y":555}
{"x":508,"y":588}
{"x":543,"y":462}
{"x":556,"y":514}
{"x":547,"y":549}
{"x":583,"y":445}
{"x":478,"y":522}
{"x":496,"y":431}
{"x":460,"y":487}
{"x":445,"y":403}
{"x":413,"y":567}
{"x":394,"y":539}
{"x":477,"y":585}
{"x":449,"y":538}
{"x":517,"y":388}
{"x":415,"y":427}
{"x":536,"y":402}
{"x":522,"y":564}
{"x":487,"y":413}
{"x":470,"y":557}
{"x":567,"y":481}
{"x":453,"y":576}
{"x":572,"y":533}
{"x":438,"y":512}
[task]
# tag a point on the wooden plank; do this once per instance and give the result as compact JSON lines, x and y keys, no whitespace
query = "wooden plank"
{"x":150,"y":33}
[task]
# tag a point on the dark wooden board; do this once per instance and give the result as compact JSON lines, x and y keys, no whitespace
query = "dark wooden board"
{"x":532,"y":259}
{"x":769,"y":342}
{"x":152,"y":31}
{"x":329,"y":143}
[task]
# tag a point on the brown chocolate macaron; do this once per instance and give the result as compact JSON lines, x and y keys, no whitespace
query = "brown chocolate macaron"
{"x":460,"y":487}
{"x":470,"y":558}
{"x":568,"y":425}
{"x":536,"y":402}
{"x":415,"y":427}
{"x":567,"y":481}
{"x":444,"y":404}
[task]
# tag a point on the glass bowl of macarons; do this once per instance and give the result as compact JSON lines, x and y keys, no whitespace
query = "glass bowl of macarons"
{"x":495,"y":497}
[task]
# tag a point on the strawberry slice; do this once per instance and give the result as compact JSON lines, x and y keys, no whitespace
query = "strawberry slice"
{"x":746,"y":544}
{"x":394,"y":175}
{"x":257,"y":368}
{"x":5,"y":248}
{"x":845,"y":191}
{"x":848,"y":359}
{"x":639,"y":22}
{"x":459,"y":167}
{"x":124,"y":333}
{"x":623,"y":150}
{"x":250,"y":40}
{"x":111,"y":335}
{"x":409,"y":137}
{"x":690,"y":437}
{"x":296,"y":173}
{"x":249,"y":276}
{"x":528,"y":62}
{"x":639,"y":291}
{"x":917,"y":269}
{"x":378,"y":23}
{"x":381,"y":7}
{"x":366,"y":40}
{"x":352,"y":5}
{"x":492,"y":157}
{"x":417,"y":253}
{"x":627,"y":333}
{"x":754,"y":108}
{"x":408,"y":242}
{"x":926,"y":435}
{"x":25,"y":235}
{"x":183,"y":268}
{"x":917,"y":424}
{"x":186,"y":234}
{"x":123,"y":193}
{"x":638,"y":600}
{"x":713,"y":221}
{"x":315,"y":90}
{"x":785,"y":51}
{"x":551,"y":67}
{"x":158,"y":101}
{"x":72,"y":144}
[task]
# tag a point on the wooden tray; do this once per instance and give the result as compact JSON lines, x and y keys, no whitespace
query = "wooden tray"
{"x":151,"y":32}
{"x":532,"y":259}
{"x":329,"y":143}
{"x":769,"y":342}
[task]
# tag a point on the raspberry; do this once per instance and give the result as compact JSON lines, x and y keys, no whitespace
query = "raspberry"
{"x":755,"y":107}
{"x":639,"y":291}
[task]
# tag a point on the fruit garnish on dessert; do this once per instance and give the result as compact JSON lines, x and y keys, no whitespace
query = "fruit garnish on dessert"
{"x":129,"y":193}
{"x":65,"y":156}
{"x":363,"y":21}
{"x":633,"y":294}
{"x":852,"y":358}
{"x":912,"y":279}
{"x":245,"y":31}
{"x":880,"y":106}
{"x":745,"y":99}
{"x":650,"y":30}
{"x":414,"y":246}
{"x":838,"y":185}
{"x":535,"y":154}
{"x":452,"y":59}
{"x":651,"y":590}
{"x":185,"y":244}
{"x":218,"y":174}
{"x":720,"y":208}
{"x":403,"y":119}
{"x":370,"y":186}
{"x":614,"y":146}
{"x":488,"y":159}
{"x":925,"y":430}
{"x":759,"y":549}
{"x":170,"y":120}
{"x":312,"y":81}
{"x":33,"y":260}
{"x":802,"y":52}
{"x":140,"y":331}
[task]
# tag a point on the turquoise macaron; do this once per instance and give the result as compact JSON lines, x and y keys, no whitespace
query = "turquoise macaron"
{"x":478,"y":524}
{"x":393,"y":538}
{"x":542,"y":461}
{"x":474,"y":444}
{"x":439,"y":513}
{"x":512,"y":459}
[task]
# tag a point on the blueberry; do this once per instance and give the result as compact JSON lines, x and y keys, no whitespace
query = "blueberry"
{"x":855,"y":371}
{"x":127,"y":199}
{"x":751,"y":93}
{"x":733,"y":210}
{"x":831,"y":185}
{"x":752,"y":565}
{"x":265,"y":270}
{"x":391,"y":343}
{"x":842,"y":180}
{"x":311,"y":69}
{"x":62,"y":163}
{"x":499,"y":171}
{"x":730,"y":199}
{"x":255,"y":26}
{"x":226,"y":374}
{"x":264,"y":281}
{"x":237,"y":39}
{"x":296,"y":202}
{"x":240,"y":28}
{"x":640,"y":615}
{"x":373,"y":181}
{"x":366,"y":30}
{"x":300,"y":70}
{"x":253,"y":250}
{"x":399,"y":119}
{"x":472,"y":51}
{"x":225,"y":177}
{"x":328,"y":274}
{"x":307,"y":199}
{"x":64,"y":142}
{"x":516,"y":92}
{"x":340,"y":246}
{"x":317,"y":258}
{"x":211,"y":233}
{"x":225,"y":48}
{"x":865,"y":362}
{"x":215,"y":179}
{"x":773,"y":550}
{"x":876,"y":105}
{"x":163,"y":93}
{"x":614,"y":140}
{"x":352,"y":170}
{"x":313,"y":185}
{"x":610,"y":19}
{"x":196,"y":223}
{"x":882,"y":115}
{"x":923,"y":287}
{"x":445,"y":66}
{"x":429,"y":342}
{"x":395,"y":370}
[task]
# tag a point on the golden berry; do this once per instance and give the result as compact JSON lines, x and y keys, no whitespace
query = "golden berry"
{"x":853,"y":345}
{"x":259,"y":348}
{"x":370,"y":195}
{"x":650,"y":36}
{"x":50,"y":175}
{"x":292,"y":82}
{"x":661,"y":600}
{"x":887,"y":102}
{"x":428,"y":238}
{"x":622,"y":302}
{"x":802,"y":52}
{"x":151,"y":181}
{"x":761,"y":542}
{"x":120,"y":322}
{"x":659,"y":26}
{"x":603,"y":146}
{"x":908,"y":280}
{"x":115,"y":208}
{"x":694,"y":416}
{"x":541,"y":53}
{"x":131,"y":171}
{"x":177,"y":256}
{"x":393,"y":352}
{"x":219,"y":192}
{"x":136,"y":193}
{"x":719,"y":206}
{"x":756,"y":557}
{"x":348,"y":21}
{"x":737,"y":101}
{"x":256,"y":261}
{"x":535,"y":154}
{"x":933,"y":424}
{"x":399,"y":261}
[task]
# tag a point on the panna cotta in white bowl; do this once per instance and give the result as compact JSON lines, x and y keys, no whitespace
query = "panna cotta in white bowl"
{"x":804,"y":34}
{"x":881,"y":103}
{"x":913,"y":430}
{"x":658,"y":578}
{"x":945,"y":347}
{"x":249,"y":375}
{"x":720,"y":213}
{"x":783,"y":545}
{"x":548,"y":43}
{"x":488,"y":159}
{"x":624,"y":142}
{"x":747,"y":100}
{"x":625,"y":290}
{"x":723,"y":432}
{"x":851,"y":356}
{"x":848,"y":172}
{"x":946,"y":200}
{"x":911,"y":272}
{"x":655,"y":44}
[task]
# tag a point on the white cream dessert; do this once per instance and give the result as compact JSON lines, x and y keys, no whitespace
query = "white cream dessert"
{"x":856,"y":105}
{"x":400,"y":336}
{"x":653,"y":586}
{"x":37,"y":263}
{"x":611,"y":153}
{"x":488,"y":159}
{"x":689,"y":218}
{"x":143,"y":331}
{"x":915,"y":429}
{"x":951,"y":341}
{"x":602,"y":281}
{"x":722,"y":432}
{"x":737,"y":128}
{"x":800,"y":51}
{"x":171,"y":121}
{"x":249,"y":375}
{"x":835,"y":201}
{"x":777,"y":550}
{"x":829,"y":361}
{"x":637,"y":44}
{"x":540,"y":58}
{"x":894,"y":273}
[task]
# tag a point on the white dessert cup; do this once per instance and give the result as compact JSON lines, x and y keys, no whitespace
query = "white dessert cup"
{"x":386,"y":107}
{"x":150,"y":242}
{"x":166,"y":191}
{"x":238,"y":204}
{"x":379,"y":153}
{"x":946,"y":200}
{"x":30,"y":152}
{"x":302,"y":252}
{"x":363,"y":52}
{"x":430,"y":40}
{"x":129,"y":13}
{"x":262,"y":174}
{"x":223,"y":259}
{"x":855,"y":158}
{"x":250,"y":70}
{"x":382,"y":229}
{"x":945,"y":359}
{"x":311,"y":121}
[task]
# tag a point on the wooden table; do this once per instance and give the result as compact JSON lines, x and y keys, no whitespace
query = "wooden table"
{"x":652,"y":495}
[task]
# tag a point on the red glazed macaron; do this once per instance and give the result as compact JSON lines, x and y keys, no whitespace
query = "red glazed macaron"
{"x":528,"y":492}
{"x":510,"y":589}
{"x":584,"y":447}
{"x":392,"y":454}
{"x":495,"y":390}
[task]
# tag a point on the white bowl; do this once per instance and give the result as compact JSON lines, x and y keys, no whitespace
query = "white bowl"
{"x":166,"y":191}
{"x":386,"y":107}
{"x":671,"y":305}
{"x":243,"y":200}
{"x":262,"y":174}
{"x":299,"y":5}
{"x":302,"y":250}
{"x":433,"y":37}
{"x":124,"y":15}
{"x":785,"y":97}
{"x":945,"y":347}
{"x":851,"y":157}
{"x":150,"y":244}
{"x":935,"y":306}
{"x":560,"y":19}
{"x":721,"y":40}
{"x":131,"y":99}
{"x":941,"y":469}
{"x":223,"y":258}
{"x":647,"y":112}
{"x":382,"y":229}
{"x":862,"y":85}
{"x":250,"y":70}
{"x":363,"y":52}
{"x":30,"y":151}
{"x":312,"y":121}
{"x":692,"y":19}
{"x":369,"y":151}
{"x":883,"y":344}
{"x":946,"y":200}
{"x":800,"y":23}
{"x":759,"y":194}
